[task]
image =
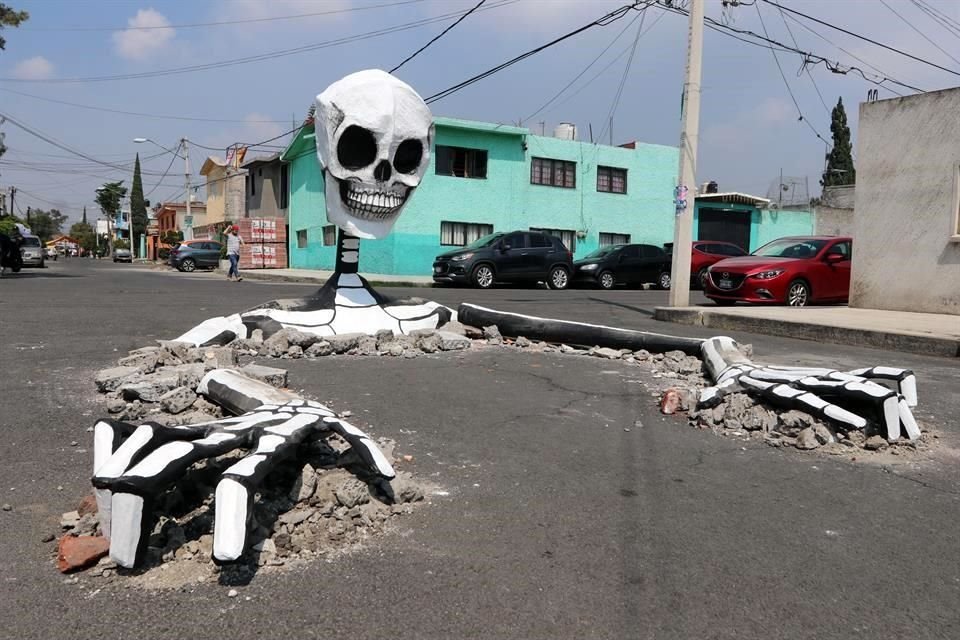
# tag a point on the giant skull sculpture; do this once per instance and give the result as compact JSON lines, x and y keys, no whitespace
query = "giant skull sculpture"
{"x":373,"y":136}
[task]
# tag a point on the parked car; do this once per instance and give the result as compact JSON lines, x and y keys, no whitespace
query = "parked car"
{"x":31,"y":249}
{"x":796,"y":271}
{"x":516,"y":256}
{"x":122,"y":255}
{"x":195,"y":254}
{"x":628,"y":264}
{"x":709,"y":252}
{"x":51,"y":253}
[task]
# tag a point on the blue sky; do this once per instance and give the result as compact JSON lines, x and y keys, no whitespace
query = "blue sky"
{"x":749,"y":128}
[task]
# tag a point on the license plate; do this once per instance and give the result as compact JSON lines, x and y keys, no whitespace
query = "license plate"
{"x":725,"y":284}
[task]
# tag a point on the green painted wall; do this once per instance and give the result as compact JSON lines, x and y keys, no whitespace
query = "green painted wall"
{"x":765,"y":224}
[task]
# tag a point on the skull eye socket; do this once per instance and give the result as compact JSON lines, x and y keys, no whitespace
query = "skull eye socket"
{"x":357,"y":148}
{"x":408,"y":156}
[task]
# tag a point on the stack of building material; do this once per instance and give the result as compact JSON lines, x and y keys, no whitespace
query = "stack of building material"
{"x":265,"y":243}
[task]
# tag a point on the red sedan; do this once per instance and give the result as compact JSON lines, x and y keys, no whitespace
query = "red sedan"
{"x":796,"y":271}
{"x":705,"y":253}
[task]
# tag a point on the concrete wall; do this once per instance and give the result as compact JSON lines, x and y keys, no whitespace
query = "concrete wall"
{"x":830,"y":221}
{"x":216,"y":188}
{"x":505,"y":199}
{"x":265,"y":201}
{"x":235,"y":197}
{"x":906,"y":250}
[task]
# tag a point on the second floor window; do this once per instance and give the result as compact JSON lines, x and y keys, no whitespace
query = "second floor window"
{"x":460,"y":162}
{"x":611,"y":180}
{"x":554,"y":173}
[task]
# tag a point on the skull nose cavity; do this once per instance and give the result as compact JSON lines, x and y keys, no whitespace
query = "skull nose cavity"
{"x":383,"y":171}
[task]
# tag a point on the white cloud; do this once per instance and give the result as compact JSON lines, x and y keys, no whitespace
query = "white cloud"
{"x":774,"y":111}
{"x":35,"y":68}
{"x":148,"y":32}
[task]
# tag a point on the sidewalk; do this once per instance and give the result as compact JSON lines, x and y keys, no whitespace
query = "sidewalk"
{"x":319,"y":277}
{"x":922,"y":333}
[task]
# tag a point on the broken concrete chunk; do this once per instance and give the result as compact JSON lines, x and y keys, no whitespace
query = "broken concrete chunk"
{"x":318,"y":349}
{"x":178,"y":400}
{"x":276,"y":345}
{"x":522,"y":342}
{"x":218,"y":357}
{"x":301,"y":339}
{"x":145,"y":362}
{"x":352,"y":492}
{"x":272,"y":376}
{"x":344,"y":342}
{"x":452,"y":341}
{"x":111,"y":379}
{"x":807,"y":439}
{"x":429,"y":343}
{"x":606,"y":352}
{"x":150,"y":387}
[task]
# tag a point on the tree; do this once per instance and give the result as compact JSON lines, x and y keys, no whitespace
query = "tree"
{"x":84,"y":234}
{"x":171,"y":237}
{"x":8,"y":224}
{"x":138,"y":207}
{"x":10,"y":18}
{"x":47,"y":224}
{"x":109,"y":197}
{"x":840,"y":168}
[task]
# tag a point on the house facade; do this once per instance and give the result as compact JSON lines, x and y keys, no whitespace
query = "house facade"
{"x":267,"y":187}
{"x":486,"y":177}
{"x":906,"y":249}
{"x":747,"y":221}
{"x":225,"y":187}
{"x":172,"y":216}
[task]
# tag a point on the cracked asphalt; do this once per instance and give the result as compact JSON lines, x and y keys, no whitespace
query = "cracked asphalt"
{"x":563,"y":505}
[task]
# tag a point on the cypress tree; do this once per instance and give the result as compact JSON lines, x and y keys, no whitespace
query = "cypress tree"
{"x":840,"y":170}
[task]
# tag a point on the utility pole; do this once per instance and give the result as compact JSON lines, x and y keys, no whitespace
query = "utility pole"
{"x":13,"y":194}
{"x":188,"y":220}
{"x":685,"y":195}
{"x":28,"y":215}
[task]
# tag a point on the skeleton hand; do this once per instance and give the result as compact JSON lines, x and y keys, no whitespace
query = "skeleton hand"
{"x":850,"y":398}
{"x":345,"y":304}
{"x":133,"y":465}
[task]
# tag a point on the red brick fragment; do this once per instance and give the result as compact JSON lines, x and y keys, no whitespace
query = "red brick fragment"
{"x":87,"y":505}
{"x":79,"y":552}
{"x":670,"y":402}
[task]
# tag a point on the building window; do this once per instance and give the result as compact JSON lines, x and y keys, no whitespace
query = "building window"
{"x":554,"y":173}
{"x":301,"y":239}
{"x":458,"y":234}
{"x":607,"y":239}
{"x":567,"y":236}
{"x":611,"y":180}
{"x":329,"y":235}
{"x":461,"y":162}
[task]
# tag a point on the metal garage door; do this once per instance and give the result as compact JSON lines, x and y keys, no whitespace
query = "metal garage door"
{"x":725,"y":225}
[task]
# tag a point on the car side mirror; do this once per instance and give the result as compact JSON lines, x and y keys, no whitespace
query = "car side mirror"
{"x":833,"y":258}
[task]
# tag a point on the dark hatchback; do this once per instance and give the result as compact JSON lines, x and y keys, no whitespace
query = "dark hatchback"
{"x":516,"y":256}
{"x":195,"y":254}
{"x":628,"y":264}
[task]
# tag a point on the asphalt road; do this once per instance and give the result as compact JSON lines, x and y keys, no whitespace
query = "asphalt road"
{"x":559,"y":522}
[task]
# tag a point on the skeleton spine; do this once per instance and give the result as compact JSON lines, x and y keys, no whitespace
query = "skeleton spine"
{"x":348,"y":252}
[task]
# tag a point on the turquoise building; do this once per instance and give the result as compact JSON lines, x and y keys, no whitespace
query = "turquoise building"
{"x":487,"y":177}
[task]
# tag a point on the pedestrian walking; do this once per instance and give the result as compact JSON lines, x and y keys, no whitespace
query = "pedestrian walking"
{"x":234,"y":242}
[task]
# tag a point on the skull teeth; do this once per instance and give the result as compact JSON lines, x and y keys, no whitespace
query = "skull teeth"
{"x":366,"y":202}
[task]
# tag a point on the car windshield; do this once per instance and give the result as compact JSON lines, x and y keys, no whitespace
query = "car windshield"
{"x":484,"y":241}
{"x":791,"y":248}
{"x":602,"y":251}
{"x":31,"y":241}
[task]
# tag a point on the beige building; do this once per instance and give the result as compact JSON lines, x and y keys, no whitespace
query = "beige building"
{"x":906,"y":241}
{"x":225,"y":191}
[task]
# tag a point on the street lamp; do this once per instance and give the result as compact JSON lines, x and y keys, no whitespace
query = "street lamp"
{"x":184,"y":143}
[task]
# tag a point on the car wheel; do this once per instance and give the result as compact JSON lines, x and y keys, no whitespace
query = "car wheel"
{"x":114,"y":259}
{"x":188,"y":265}
{"x":482,"y":276}
{"x":663,"y":281}
{"x":702,"y":278}
{"x":606,"y":280}
{"x":559,"y":278}
{"x":798,"y":294}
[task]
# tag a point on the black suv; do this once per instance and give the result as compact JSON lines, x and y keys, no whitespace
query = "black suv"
{"x":516,"y":256}
{"x":630,"y":264}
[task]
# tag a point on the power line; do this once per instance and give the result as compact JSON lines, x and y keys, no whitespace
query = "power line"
{"x":438,"y":36}
{"x":136,"y":113}
{"x":585,"y":69}
{"x":270,"y":55}
{"x":938,"y":16}
{"x":603,"y":21}
{"x":864,"y":38}
{"x":783,"y":17}
{"x":623,"y":79}
{"x":921,"y":33}
{"x":785,"y":82}
{"x":225,"y":22}
{"x":173,"y":158}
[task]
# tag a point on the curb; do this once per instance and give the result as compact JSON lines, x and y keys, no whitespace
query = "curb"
{"x":907,"y":343}
{"x":266,"y":276}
